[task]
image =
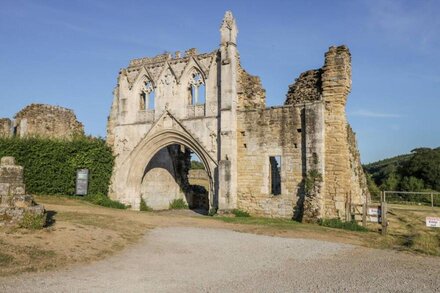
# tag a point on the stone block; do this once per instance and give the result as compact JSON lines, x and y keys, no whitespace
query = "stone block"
{"x":7,"y":161}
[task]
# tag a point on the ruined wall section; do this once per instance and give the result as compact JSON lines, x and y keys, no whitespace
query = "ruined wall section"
{"x":338,"y":177}
{"x":261,"y":134}
{"x":47,"y":121}
{"x":251,"y":94}
{"x":359,"y":185}
{"x":306,"y":88}
{"x":5,"y":127}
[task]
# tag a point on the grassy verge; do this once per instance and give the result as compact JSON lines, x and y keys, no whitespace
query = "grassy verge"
{"x":78,"y":232}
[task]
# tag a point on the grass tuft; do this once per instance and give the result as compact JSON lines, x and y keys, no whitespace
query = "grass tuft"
{"x":178,"y":204}
{"x":337,"y":223}
{"x":102,"y":200}
{"x":240,"y":213}
{"x":33,"y":222}
{"x":144,"y":207}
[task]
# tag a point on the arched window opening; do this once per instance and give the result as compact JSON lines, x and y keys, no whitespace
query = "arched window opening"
{"x":147,"y":97}
{"x":151,"y":100}
{"x":142,"y":101}
{"x":196,"y":89}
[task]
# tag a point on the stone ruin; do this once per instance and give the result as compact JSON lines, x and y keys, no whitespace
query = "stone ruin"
{"x":39,"y":120}
{"x":14,"y":202}
{"x":297,"y":160}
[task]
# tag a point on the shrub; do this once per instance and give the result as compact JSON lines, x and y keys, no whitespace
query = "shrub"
{"x":144,"y":207}
{"x":240,"y":213}
{"x":178,"y":204}
{"x":32,"y":222}
{"x":337,"y":223}
{"x":102,"y":200}
{"x":50,"y":164}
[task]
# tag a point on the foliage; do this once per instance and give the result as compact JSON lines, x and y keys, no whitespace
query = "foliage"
{"x":412,"y":183}
{"x":102,"y":200}
{"x":337,"y":223}
{"x":417,"y":171}
{"x":178,"y":204}
{"x":144,"y":207}
{"x":312,"y":179}
{"x":32,"y":221}
{"x":240,"y":213}
{"x":197,"y":165}
{"x":372,"y":187}
{"x":50,"y":165}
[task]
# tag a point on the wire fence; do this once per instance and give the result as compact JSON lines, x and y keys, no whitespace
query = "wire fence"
{"x":412,"y":198}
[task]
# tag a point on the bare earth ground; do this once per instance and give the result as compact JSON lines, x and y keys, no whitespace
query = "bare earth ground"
{"x":175,"y":251}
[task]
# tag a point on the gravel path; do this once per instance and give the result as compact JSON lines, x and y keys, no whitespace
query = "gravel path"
{"x":214,"y":260}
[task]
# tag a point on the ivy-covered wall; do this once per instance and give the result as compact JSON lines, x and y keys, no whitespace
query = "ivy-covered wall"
{"x":50,"y":165}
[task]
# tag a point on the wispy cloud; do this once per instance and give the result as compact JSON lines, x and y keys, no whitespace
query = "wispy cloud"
{"x":373,"y":114}
{"x":413,"y":23}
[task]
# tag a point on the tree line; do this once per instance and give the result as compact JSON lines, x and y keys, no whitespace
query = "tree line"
{"x":417,"y":171}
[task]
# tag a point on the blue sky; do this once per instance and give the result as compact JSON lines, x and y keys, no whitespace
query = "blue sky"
{"x":69,"y":53}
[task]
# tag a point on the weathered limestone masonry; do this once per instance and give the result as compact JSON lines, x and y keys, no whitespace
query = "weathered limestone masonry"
{"x":5,"y":127}
{"x":298,"y":160}
{"x":42,"y":121}
{"x":14,"y":202}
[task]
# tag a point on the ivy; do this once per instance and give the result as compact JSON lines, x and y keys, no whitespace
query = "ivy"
{"x":50,"y":165}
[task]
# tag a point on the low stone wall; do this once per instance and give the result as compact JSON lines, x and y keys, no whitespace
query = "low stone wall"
{"x":197,"y":174}
{"x":14,"y":203}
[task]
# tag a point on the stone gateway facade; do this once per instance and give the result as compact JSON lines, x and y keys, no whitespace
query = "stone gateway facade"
{"x":298,"y":160}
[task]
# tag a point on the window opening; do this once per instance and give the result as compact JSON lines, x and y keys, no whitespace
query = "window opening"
{"x":147,"y":96}
{"x":275,"y":175}
{"x":196,"y":89}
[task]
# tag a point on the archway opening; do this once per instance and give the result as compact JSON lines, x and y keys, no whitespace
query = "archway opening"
{"x":175,"y":175}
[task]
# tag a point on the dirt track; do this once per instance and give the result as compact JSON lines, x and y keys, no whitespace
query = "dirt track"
{"x":187,"y":259}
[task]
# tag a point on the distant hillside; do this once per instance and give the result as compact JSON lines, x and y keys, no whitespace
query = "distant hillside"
{"x":417,"y":171}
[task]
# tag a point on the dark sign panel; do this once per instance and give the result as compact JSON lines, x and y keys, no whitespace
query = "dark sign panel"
{"x":82,"y":180}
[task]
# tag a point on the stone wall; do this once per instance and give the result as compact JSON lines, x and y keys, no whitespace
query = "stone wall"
{"x":251,"y":94}
{"x":47,"y":121}
{"x":306,"y":88}
{"x":261,"y":134}
{"x":5,"y":127}
{"x":198,"y":174}
{"x":338,"y":176}
{"x":14,"y":202}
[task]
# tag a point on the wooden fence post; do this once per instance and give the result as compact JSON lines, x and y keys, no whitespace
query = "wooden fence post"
{"x":432,"y":199}
{"x":384,"y":214}
{"x":364,"y":214}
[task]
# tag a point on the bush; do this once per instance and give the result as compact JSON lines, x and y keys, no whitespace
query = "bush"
{"x":178,"y":204}
{"x":337,"y":223}
{"x":102,"y":200}
{"x":32,"y":222}
{"x":144,"y":207}
{"x":50,"y":164}
{"x":240,"y":213}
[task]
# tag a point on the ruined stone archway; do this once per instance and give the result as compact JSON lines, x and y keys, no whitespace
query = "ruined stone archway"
{"x":166,"y":132}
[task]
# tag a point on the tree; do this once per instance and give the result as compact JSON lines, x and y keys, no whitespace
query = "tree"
{"x":412,"y":184}
{"x":391,"y":183}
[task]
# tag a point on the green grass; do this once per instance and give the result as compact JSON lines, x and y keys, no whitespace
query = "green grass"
{"x":102,"y":200}
{"x":33,"y":222}
{"x":178,"y":204}
{"x":240,"y":213}
{"x":276,"y":223}
{"x":337,"y":223}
